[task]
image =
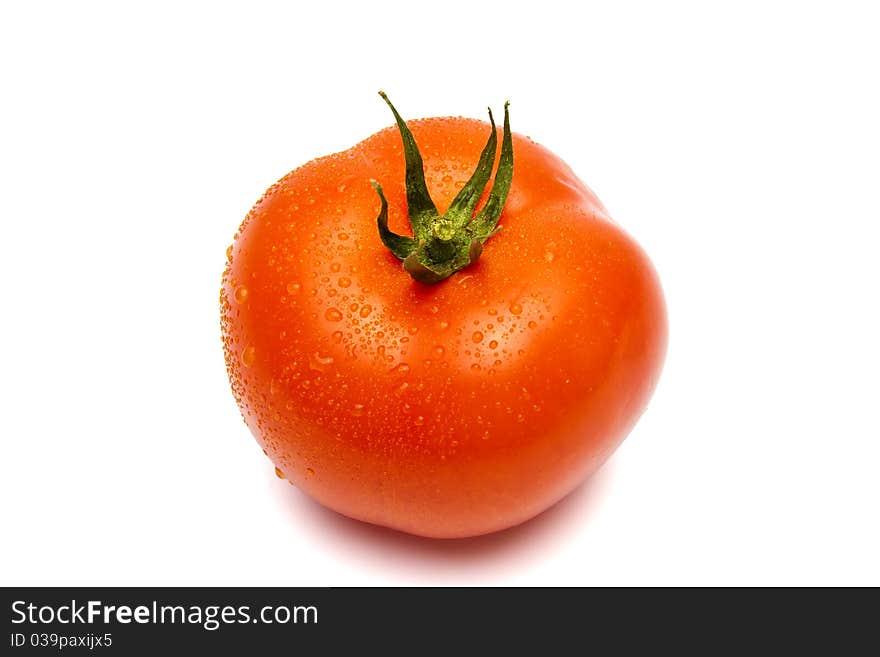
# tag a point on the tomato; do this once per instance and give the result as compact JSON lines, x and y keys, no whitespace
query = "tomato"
{"x":444,"y":400}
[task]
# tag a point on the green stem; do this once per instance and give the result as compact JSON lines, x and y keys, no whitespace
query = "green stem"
{"x":443,"y":244}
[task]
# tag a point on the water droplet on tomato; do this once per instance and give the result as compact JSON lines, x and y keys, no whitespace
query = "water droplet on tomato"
{"x":343,"y":236}
{"x":439,"y":350}
{"x":533,"y":324}
{"x":477,"y":337}
{"x":320,"y":363}
{"x":343,"y":282}
{"x":337,"y":336}
{"x":279,"y":474}
{"x":241,"y":294}
{"x":335,"y":267}
{"x":293,"y":288}
{"x":515,"y":309}
{"x":419,"y":421}
{"x":310,"y":472}
{"x":229,"y":252}
{"x":402,"y":368}
{"x":493,"y":344}
{"x":248,"y":355}
{"x":476,"y":367}
{"x":333,"y":315}
{"x":357,"y":410}
{"x":366,"y":309}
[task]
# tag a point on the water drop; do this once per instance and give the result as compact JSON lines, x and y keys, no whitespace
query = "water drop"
{"x":344,"y":282}
{"x":439,"y":350}
{"x":241,"y":294}
{"x":419,"y":421}
{"x":319,"y":363}
{"x":229,"y":252}
{"x":366,"y":309}
{"x":293,"y":288}
{"x":533,"y":324}
{"x":477,"y":337}
{"x":337,"y":336}
{"x":333,"y":315}
{"x":248,"y":355}
{"x":493,"y":344}
{"x":402,"y":368}
{"x":279,"y":474}
{"x":476,"y":367}
{"x":310,"y":472}
{"x":515,"y":309}
{"x":357,"y":410}
{"x":343,"y":236}
{"x":335,"y":267}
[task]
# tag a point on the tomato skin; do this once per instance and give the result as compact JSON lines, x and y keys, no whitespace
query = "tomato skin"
{"x":448,"y":410}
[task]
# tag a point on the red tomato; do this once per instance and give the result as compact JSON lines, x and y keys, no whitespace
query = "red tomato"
{"x":449,"y":409}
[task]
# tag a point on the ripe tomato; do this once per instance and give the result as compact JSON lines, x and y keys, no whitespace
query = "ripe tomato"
{"x":451,"y":408}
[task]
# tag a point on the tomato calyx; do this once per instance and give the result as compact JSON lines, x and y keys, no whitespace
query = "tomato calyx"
{"x":443,"y":244}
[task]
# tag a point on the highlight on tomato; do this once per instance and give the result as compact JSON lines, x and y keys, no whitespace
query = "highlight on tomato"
{"x":420,"y":344}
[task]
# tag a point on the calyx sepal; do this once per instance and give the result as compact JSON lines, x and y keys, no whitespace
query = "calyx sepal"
{"x":443,"y":244}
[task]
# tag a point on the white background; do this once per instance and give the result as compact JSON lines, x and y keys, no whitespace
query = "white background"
{"x":739,"y":145}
